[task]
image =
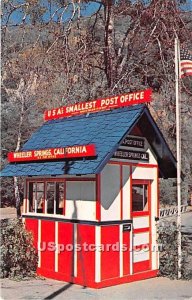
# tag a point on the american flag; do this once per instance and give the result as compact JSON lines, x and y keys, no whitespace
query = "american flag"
{"x":185,"y":63}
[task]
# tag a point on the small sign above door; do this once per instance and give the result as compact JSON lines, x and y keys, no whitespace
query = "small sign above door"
{"x":126,"y":227}
{"x":134,"y":142}
{"x":131,"y":155}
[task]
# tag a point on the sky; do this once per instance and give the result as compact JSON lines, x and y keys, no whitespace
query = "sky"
{"x":86,"y":10}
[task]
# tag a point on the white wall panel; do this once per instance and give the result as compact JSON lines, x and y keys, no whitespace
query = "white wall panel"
{"x":110,"y":193}
{"x":80,"y":200}
{"x":81,"y":210}
{"x":141,"y":238}
{"x":141,"y":222}
{"x":143,"y":173}
{"x":140,"y":255}
{"x":126,"y":192}
{"x":79,"y":190}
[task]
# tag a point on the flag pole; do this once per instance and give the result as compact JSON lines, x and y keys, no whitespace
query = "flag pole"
{"x":178,"y":142}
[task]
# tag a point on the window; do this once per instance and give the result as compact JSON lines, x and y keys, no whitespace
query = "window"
{"x":36,"y":197}
{"x":59,"y":198}
{"x":140,"y":197}
{"x":46,"y":197}
{"x":50,"y":197}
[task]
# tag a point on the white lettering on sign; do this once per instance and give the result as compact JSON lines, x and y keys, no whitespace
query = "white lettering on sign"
{"x":132,"y":155}
{"x":99,"y":105}
{"x":79,"y":151}
{"x":22,"y":154}
{"x":80,"y":107}
{"x":132,"y":97}
{"x":109,"y":101}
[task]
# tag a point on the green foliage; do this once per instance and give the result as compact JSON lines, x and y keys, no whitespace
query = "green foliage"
{"x":18,"y":255}
{"x":168,"y":253}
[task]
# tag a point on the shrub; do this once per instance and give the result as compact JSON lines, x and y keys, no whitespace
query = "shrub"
{"x":169,"y":254}
{"x":18,"y":255}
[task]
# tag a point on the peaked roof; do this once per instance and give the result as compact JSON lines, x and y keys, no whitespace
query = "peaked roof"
{"x":104,"y":129}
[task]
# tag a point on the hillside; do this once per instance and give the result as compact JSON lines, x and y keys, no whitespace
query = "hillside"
{"x":120,"y":48}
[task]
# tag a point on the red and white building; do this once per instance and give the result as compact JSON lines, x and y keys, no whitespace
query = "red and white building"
{"x":94,"y":213}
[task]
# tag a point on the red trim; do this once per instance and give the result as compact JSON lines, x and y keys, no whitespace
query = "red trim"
{"x":57,"y":179}
{"x":64,"y":200}
{"x":141,"y":266}
{"x":140,"y":213}
{"x":141,"y":181}
{"x":121,"y":192}
{"x":140,"y":230}
{"x":98,"y":197}
{"x":158,"y":193}
{"x":80,"y":179}
{"x":105,"y":283}
{"x":131,"y":197}
{"x":150,"y":229}
{"x":133,"y":164}
{"x":26,"y":195}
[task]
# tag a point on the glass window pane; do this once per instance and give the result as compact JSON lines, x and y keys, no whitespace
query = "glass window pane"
{"x":40,"y":201}
{"x":40,"y":197}
{"x":40,"y":187}
{"x":36,"y":197}
{"x":31,"y":196}
{"x":145,"y":203}
{"x":140,"y":197}
{"x":50,"y":197}
{"x":59,"y":197}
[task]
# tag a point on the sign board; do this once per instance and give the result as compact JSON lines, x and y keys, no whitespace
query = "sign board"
{"x":132,"y":155}
{"x":126,"y":227}
{"x":134,"y":142}
{"x":167,"y":212}
{"x":98,"y":105}
{"x":53,"y":153}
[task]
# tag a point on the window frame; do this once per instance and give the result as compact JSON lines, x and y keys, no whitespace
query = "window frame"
{"x":142,"y":212}
{"x":55,"y":180}
{"x":45,"y":181}
{"x":35,"y":200}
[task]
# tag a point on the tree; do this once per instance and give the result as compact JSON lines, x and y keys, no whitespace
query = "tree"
{"x":58,"y":52}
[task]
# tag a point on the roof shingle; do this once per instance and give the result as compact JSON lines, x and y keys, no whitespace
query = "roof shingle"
{"x":104,"y":129}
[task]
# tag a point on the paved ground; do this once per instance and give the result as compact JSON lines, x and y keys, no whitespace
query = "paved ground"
{"x":156,"y":288}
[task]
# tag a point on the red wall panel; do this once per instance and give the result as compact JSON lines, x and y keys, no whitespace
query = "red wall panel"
{"x":85,"y":259}
{"x":126,"y":254}
{"x":109,"y":259}
{"x":65,"y":257}
{"x":141,"y":266}
{"x":32,"y":225}
{"x":47,"y":236}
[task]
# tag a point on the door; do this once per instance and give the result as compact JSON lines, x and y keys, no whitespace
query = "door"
{"x":141,"y":215}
